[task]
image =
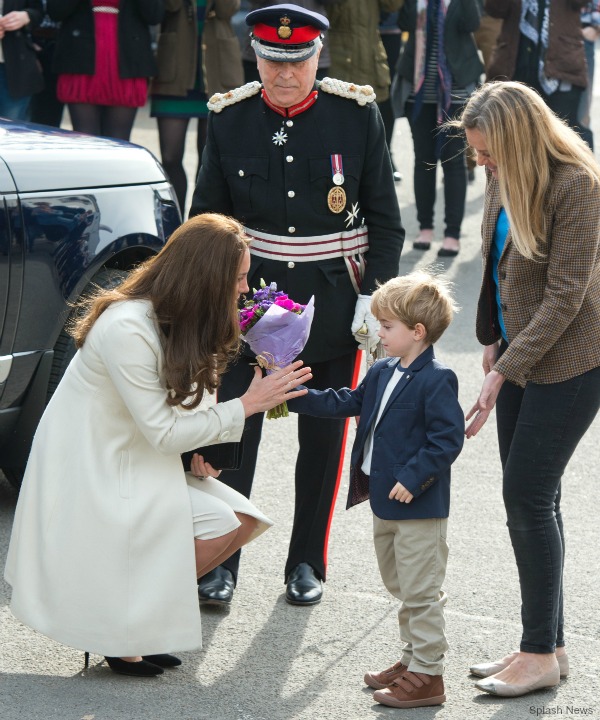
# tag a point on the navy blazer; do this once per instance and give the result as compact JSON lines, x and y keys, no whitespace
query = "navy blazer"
{"x":418,"y":437}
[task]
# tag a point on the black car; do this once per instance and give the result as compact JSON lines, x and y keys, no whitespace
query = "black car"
{"x":76,"y":212}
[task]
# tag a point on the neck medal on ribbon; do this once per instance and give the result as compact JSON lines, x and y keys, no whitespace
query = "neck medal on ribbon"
{"x":336,"y":197}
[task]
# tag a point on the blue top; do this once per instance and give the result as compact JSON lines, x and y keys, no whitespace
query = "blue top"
{"x":500,"y":233}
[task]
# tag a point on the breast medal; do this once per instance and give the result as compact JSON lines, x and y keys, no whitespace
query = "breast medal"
{"x":336,"y":197}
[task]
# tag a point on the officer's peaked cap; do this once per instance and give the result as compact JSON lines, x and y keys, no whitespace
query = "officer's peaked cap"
{"x":286,"y":33}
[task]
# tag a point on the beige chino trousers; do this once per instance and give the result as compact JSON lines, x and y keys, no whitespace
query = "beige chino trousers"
{"x":412,"y":557}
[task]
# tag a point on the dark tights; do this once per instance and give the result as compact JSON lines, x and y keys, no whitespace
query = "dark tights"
{"x":102,"y":120}
{"x":171,"y":134}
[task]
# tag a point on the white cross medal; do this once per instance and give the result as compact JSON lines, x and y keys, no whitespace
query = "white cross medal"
{"x":280,"y":137}
{"x":352,"y":215}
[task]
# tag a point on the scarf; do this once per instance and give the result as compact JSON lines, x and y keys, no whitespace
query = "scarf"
{"x":537,"y":32}
{"x":428,"y":13}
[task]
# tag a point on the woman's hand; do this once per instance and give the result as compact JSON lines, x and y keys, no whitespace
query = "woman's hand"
{"x":202,"y":469}
{"x":267,"y":392}
{"x":485,"y":403}
{"x":14,"y":20}
{"x":490,"y":355}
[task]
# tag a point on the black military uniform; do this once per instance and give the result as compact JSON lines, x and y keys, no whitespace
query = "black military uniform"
{"x":313,"y":186}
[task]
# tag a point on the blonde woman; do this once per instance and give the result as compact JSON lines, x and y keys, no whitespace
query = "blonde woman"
{"x":109,"y":533}
{"x":538,"y":318}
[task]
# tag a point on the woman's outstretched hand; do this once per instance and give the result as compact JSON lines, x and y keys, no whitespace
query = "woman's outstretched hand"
{"x":485,"y":402}
{"x":271,"y":390}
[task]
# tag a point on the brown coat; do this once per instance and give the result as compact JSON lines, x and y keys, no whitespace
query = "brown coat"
{"x":551,"y":307}
{"x":221,"y":51}
{"x":565,"y":59}
{"x":177,"y":55}
{"x":357,"y":52}
{"x":177,"y":49}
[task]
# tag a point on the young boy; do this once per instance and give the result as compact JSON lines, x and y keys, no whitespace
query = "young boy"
{"x":411,"y":430}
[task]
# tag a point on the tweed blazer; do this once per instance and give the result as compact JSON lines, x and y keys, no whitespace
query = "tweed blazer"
{"x":551,"y":305}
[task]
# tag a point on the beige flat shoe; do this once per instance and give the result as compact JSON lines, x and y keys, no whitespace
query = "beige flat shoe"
{"x":484,"y":670}
{"x":498,"y":687}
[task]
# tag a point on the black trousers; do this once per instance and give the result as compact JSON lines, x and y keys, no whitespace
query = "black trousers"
{"x":317,"y":464}
{"x":431,"y":146}
{"x":539,"y":428}
{"x":46,"y":108}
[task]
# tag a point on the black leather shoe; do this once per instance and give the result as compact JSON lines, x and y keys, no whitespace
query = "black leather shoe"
{"x":303,"y":586}
{"x":135,"y":669}
{"x":163,"y":660}
{"x":397,"y":176}
{"x":216,"y":587}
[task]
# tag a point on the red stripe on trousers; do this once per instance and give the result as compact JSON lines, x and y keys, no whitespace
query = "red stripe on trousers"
{"x":355,"y":375}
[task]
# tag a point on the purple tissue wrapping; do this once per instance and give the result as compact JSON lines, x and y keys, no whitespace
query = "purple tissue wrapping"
{"x":280,"y":335}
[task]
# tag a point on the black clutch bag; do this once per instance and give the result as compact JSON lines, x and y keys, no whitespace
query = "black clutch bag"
{"x":224,"y":456}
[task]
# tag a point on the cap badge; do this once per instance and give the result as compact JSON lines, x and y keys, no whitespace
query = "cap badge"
{"x":284,"y":31}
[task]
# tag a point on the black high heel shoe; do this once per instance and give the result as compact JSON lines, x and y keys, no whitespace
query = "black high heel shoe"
{"x":135,"y":669}
{"x":163,"y":660}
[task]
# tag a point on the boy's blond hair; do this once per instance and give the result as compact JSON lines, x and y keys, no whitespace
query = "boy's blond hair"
{"x":419,"y":297}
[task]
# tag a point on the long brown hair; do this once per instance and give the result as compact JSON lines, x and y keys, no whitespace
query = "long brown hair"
{"x":192,"y":285}
{"x":526,"y":139}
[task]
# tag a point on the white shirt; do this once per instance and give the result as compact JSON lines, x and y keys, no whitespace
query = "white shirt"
{"x":389,"y":388}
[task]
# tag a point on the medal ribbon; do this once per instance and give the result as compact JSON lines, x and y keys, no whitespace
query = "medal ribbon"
{"x":337,"y":169}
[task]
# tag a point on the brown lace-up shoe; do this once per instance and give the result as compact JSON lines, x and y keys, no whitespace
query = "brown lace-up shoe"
{"x":383,"y":679}
{"x":413,"y":690}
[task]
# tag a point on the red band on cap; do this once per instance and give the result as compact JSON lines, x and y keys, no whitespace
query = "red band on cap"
{"x":299,"y":35}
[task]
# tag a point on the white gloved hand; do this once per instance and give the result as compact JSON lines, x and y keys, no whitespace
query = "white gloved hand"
{"x":364,"y":325}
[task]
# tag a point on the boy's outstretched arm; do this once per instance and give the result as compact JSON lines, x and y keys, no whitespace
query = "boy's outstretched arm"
{"x":329,"y":403}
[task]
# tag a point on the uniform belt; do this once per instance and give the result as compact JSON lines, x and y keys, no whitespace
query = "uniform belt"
{"x":106,"y":9}
{"x":311,"y":248}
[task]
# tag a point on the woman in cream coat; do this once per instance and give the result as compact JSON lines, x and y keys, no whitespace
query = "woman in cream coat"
{"x":101,"y":556}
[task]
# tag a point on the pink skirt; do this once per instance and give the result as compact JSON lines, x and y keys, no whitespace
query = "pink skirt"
{"x":105,"y":87}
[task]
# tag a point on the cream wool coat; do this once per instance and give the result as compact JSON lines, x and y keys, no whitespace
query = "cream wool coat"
{"x":101,"y":556}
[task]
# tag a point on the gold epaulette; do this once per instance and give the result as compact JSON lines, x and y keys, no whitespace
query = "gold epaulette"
{"x":363,"y":94}
{"x":221,"y":100}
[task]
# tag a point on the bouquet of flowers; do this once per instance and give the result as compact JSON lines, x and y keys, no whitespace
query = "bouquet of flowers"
{"x":276,"y":328}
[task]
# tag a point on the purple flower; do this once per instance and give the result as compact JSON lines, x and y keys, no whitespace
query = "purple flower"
{"x":276,"y":328}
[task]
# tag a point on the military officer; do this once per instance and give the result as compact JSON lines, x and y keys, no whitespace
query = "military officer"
{"x":305,"y":167}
